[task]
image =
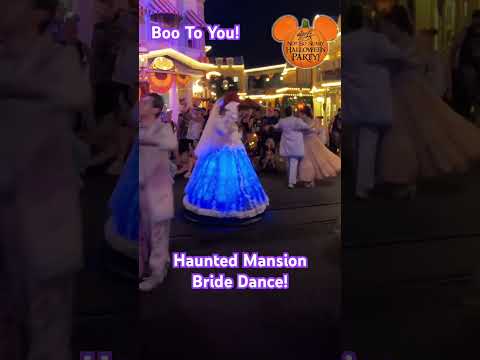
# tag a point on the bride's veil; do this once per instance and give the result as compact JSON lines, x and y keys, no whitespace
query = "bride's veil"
{"x":210,"y":139}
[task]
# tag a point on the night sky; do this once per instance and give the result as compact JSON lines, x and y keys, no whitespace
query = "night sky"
{"x":256,"y":18}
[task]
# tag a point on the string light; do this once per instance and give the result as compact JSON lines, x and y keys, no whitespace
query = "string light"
{"x":197,"y":88}
{"x":287,"y":70}
{"x":332,"y":84}
{"x":211,"y":74}
{"x":266,"y":68}
{"x":239,"y":67}
{"x":214,"y":70}
{"x":316,"y":90}
{"x":285,"y":89}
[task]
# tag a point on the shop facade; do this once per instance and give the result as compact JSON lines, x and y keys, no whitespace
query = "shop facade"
{"x":449,"y":17}
{"x":171,"y":67}
{"x":282,"y":85}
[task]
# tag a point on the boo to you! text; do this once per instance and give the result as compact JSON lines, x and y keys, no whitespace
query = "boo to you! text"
{"x":215,"y":32}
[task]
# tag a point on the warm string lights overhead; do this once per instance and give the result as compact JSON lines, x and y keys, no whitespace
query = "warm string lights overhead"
{"x":164,"y":62}
{"x":332,"y":84}
{"x":285,"y":89}
{"x":266,"y":68}
{"x":211,"y":74}
{"x":272,"y":97}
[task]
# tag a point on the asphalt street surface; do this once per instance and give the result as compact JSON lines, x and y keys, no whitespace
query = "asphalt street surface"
{"x":176,"y":320}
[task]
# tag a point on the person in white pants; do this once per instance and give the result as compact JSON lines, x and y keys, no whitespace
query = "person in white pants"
{"x":157,"y":141}
{"x":367,"y":141}
{"x":291,"y":143}
{"x":367,"y":94}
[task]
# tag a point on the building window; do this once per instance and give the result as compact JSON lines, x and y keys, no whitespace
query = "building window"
{"x":168,"y":21}
{"x":235,"y":78}
{"x":190,"y":43}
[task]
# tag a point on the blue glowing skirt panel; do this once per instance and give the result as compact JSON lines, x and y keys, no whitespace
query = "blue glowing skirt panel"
{"x":224,"y":184}
{"x":124,"y":203}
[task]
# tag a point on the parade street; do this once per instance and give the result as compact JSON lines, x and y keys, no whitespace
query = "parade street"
{"x":407,"y":271}
{"x":236,"y":322}
{"x":219,"y":322}
{"x":401,"y":274}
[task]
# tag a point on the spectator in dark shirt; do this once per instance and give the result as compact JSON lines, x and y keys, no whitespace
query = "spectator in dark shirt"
{"x":269,"y":124}
{"x":336,"y":133}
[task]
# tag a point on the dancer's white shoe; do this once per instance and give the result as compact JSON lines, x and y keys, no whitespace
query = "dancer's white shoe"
{"x":151,"y":282}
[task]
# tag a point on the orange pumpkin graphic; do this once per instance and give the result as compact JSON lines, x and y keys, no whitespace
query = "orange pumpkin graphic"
{"x":305,"y":47}
{"x":160,"y":82}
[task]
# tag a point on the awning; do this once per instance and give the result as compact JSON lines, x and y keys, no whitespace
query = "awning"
{"x":180,"y":57}
{"x":195,"y":20}
{"x":162,"y":7}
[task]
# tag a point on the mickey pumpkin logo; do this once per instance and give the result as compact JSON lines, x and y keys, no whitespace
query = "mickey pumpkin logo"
{"x":305,"y":47}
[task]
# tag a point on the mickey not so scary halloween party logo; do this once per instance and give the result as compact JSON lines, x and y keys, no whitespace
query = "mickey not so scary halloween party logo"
{"x":304,"y":46}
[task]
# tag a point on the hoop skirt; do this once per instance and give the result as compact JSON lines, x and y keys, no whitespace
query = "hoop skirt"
{"x":427,"y":139}
{"x":319,"y":162}
{"x":224,"y":184}
{"x":122,"y":229}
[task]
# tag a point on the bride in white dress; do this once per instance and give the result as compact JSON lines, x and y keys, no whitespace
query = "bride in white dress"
{"x":427,"y":138}
{"x":224,"y":183}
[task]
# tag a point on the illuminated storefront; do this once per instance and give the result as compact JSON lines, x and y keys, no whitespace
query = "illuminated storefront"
{"x":449,"y":17}
{"x":281,"y":85}
{"x":173,"y":75}
{"x":178,"y":68}
{"x":173,"y":68}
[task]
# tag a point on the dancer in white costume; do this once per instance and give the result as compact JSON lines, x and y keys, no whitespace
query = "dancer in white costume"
{"x":157,"y":140}
{"x":224,"y":183}
{"x":427,"y":138}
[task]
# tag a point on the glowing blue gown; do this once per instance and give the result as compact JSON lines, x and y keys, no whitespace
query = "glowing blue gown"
{"x":124,"y":203}
{"x":224,"y":183}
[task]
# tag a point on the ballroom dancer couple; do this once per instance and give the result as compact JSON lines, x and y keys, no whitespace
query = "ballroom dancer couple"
{"x":409,"y":133}
{"x":307,"y":156}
